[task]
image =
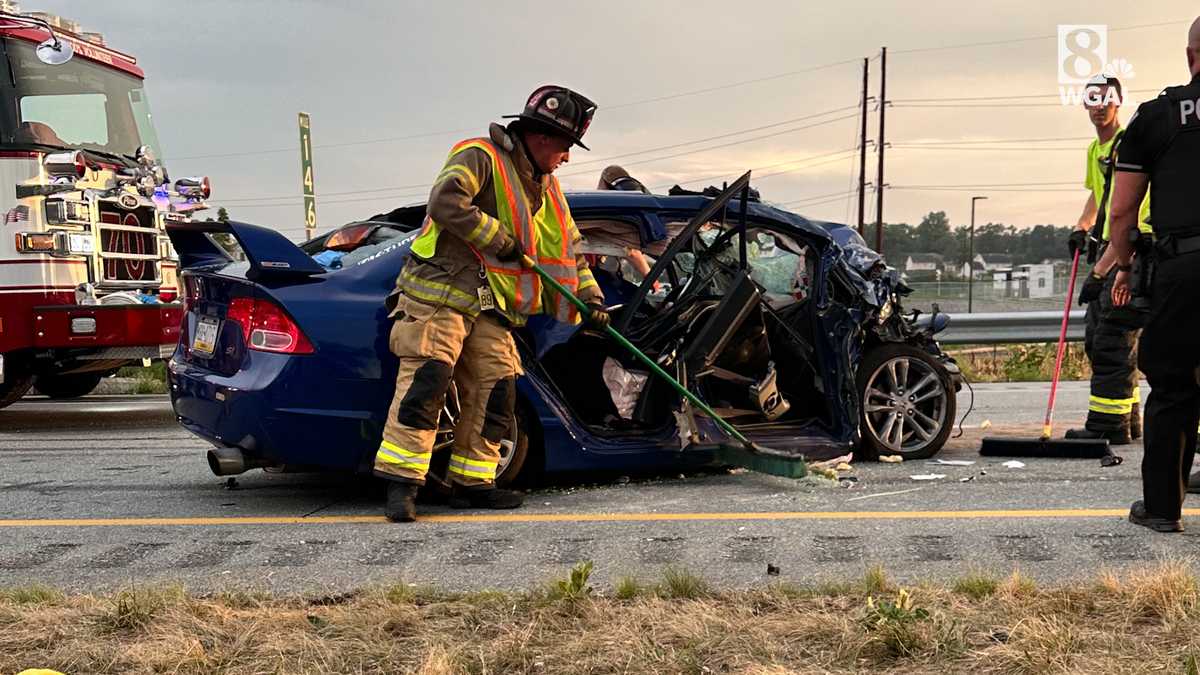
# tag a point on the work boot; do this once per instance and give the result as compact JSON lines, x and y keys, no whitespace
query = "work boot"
{"x":1193,"y":485}
{"x":1115,"y":437}
{"x":1139,"y":516}
{"x":1135,"y":422}
{"x":485,"y":497}
{"x":401,"y":502}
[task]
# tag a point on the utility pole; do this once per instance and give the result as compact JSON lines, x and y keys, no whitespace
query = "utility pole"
{"x":882,"y":144}
{"x":862,"y":155}
{"x":971,"y":259}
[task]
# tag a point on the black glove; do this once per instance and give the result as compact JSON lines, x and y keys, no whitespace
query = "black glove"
{"x":1091,"y":290}
{"x":511,"y":252}
{"x":598,"y":317}
{"x":1077,"y":242}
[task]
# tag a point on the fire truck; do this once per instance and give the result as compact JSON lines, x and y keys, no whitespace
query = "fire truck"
{"x":87,"y":275}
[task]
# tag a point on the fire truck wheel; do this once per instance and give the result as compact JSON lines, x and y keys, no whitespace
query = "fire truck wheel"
{"x":67,"y":386}
{"x":14,"y":388}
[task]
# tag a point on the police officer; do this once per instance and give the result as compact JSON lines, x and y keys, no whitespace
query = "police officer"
{"x":1110,"y":333}
{"x":1161,"y":150}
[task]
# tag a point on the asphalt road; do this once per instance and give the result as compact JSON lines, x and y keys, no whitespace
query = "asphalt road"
{"x":107,"y":491}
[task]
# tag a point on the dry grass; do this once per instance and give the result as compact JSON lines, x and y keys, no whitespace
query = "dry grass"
{"x":1136,"y":622}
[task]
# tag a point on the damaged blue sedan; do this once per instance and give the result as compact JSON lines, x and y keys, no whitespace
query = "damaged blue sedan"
{"x":791,"y":330}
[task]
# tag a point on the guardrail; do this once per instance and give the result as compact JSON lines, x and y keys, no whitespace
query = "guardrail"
{"x":986,"y":328}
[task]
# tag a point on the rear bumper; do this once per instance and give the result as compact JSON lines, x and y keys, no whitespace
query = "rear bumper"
{"x":271,"y":412}
{"x":82,"y":326}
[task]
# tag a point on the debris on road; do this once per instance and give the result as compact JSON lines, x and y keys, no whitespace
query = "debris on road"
{"x":1013,"y":464}
{"x":835,"y":463}
{"x":986,"y":424}
{"x":952,"y":462}
{"x":891,"y":459}
{"x":885,"y":494}
{"x":928,"y":476}
{"x":772,"y":570}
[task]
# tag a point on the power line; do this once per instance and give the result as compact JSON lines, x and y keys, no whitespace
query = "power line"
{"x":1000,"y":98}
{"x":804,"y":161}
{"x":726,"y":145}
{"x":432,"y":134}
{"x":606,"y":160}
{"x":906,"y":146}
{"x":998,"y":140}
{"x":730,"y":85}
{"x":991,"y":43}
{"x":614,"y":157}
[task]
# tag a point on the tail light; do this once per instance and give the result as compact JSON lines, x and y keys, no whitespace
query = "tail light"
{"x":167,"y":296}
{"x":266,"y":328}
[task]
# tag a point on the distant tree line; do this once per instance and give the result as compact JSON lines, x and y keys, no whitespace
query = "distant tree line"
{"x":934,"y":234}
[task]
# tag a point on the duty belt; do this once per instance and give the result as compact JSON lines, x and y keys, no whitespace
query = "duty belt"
{"x":1174,"y":245}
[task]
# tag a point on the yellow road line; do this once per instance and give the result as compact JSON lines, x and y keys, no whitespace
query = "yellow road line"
{"x":581,"y":517}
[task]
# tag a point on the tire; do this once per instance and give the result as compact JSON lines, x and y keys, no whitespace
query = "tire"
{"x":14,"y":388}
{"x":61,"y":387}
{"x":901,"y":384}
{"x":514,"y":469}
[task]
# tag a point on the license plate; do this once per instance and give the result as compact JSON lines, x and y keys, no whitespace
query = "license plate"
{"x":81,"y":243}
{"x":205,"y":341}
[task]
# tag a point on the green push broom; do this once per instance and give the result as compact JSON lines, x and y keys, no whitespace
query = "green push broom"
{"x":1044,"y":446}
{"x":749,"y":454}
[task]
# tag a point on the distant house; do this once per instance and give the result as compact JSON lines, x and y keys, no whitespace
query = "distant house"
{"x":924,"y":262}
{"x":994,"y":262}
{"x":1026,"y":281}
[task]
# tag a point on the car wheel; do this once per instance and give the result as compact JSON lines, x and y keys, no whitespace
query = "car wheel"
{"x":67,"y":386}
{"x":908,"y":403}
{"x":514,"y":450}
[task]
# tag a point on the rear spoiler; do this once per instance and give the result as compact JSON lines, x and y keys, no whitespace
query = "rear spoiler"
{"x":268,"y":252}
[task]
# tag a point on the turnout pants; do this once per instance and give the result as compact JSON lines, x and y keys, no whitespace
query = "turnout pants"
{"x":1111,"y":343}
{"x":437,"y":346}
{"x":1169,"y":357}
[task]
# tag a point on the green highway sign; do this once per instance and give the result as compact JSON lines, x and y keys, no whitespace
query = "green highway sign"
{"x":306,"y":173}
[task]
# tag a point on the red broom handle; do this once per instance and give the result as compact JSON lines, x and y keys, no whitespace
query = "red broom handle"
{"x":1062,"y":345}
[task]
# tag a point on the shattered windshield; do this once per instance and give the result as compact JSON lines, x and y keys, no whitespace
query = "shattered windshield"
{"x":77,"y":104}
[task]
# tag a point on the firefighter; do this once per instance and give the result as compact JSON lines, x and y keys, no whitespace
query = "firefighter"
{"x":1161,"y":151}
{"x":1110,"y":333}
{"x":464,"y":287}
{"x":615,"y":177}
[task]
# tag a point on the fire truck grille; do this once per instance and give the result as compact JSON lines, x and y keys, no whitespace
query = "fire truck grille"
{"x":128,"y":246}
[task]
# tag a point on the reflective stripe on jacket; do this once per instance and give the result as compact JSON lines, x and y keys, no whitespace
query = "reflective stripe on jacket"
{"x":483,"y":197}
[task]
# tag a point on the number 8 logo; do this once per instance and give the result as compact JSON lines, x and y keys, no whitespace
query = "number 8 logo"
{"x":1082,"y":52}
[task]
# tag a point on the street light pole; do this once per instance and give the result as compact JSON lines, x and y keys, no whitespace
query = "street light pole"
{"x":971,"y":259}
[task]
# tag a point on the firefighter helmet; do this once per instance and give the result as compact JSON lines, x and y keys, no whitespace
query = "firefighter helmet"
{"x":560,"y":111}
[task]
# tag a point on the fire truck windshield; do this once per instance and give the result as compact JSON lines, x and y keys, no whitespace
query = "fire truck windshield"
{"x":79,"y":104}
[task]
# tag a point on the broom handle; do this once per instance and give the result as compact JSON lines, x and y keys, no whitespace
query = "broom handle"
{"x":649,"y":363}
{"x":1062,"y":344}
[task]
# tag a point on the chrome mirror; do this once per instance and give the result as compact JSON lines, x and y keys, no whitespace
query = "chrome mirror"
{"x":54,"y":52}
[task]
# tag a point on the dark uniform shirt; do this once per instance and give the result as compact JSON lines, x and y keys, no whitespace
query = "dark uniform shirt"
{"x":1163,"y":141}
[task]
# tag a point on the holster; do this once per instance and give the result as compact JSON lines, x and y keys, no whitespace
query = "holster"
{"x":1142,"y":273}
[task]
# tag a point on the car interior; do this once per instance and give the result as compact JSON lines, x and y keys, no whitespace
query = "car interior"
{"x":740,"y":333}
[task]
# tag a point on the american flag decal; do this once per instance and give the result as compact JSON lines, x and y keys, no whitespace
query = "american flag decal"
{"x":17,"y":214}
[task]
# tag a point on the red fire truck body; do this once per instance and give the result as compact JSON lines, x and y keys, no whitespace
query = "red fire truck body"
{"x":87,"y":274}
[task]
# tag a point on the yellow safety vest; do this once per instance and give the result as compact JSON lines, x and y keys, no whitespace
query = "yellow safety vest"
{"x":546,"y":236}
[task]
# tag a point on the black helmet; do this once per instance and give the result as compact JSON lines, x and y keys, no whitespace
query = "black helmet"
{"x":560,"y":111}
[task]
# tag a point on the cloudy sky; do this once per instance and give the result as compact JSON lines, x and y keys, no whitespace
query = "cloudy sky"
{"x":690,"y":92}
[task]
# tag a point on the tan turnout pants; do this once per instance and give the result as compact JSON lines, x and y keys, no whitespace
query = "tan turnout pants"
{"x":437,"y":345}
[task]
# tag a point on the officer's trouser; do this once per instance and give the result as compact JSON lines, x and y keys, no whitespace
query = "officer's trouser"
{"x":1170,"y":354}
{"x":436,"y":345}
{"x":1111,"y":343}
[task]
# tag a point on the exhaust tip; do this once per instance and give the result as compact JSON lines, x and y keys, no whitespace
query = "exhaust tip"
{"x":226,"y":461}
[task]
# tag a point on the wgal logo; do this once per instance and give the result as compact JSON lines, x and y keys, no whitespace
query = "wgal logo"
{"x":1082,"y":56}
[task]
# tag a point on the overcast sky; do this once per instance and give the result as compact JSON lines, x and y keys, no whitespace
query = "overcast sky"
{"x":391,"y":85}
